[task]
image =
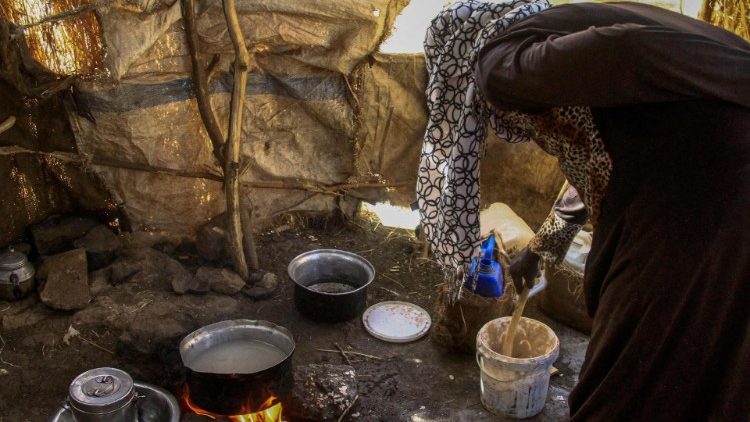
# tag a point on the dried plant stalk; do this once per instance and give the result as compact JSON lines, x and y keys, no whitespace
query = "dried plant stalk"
{"x":232,"y":158}
{"x":200,"y":81}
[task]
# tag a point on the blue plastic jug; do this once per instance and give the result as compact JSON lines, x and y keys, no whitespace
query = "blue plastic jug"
{"x":486,"y":275}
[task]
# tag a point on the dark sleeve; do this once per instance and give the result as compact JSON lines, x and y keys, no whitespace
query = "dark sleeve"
{"x":534,"y":67}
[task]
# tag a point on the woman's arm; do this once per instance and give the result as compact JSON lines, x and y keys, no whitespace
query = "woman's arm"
{"x":541,"y":65}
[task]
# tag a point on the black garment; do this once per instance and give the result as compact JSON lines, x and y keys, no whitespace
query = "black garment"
{"x":667,"y":277}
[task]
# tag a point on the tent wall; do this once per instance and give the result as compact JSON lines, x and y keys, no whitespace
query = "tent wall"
{"x":148,"y":143}
{"x":324,"y":110}
{"x":41,"y":171}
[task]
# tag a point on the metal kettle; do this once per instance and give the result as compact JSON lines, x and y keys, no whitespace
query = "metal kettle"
{"x":16,"y":275}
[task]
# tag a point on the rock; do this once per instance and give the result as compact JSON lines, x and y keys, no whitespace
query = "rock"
{"x":148,"y":239}
{"x":57,"y":235}
{"x":123,"y":268}
{"x":99,"y":281}
{"x":67,"y":281}
{"x":221,"y":280}
{"x":190,"y":283}
{"x":211,"y":240}
{"x":159,"y":326}
{"x":322,"y":391}
{"x":256,"y":276}
{"x":101,"y":246}
{"x":148,"y":268}
{"x":269,"y":281}
{"x":151,"y":334}
{"x":263,"y":289}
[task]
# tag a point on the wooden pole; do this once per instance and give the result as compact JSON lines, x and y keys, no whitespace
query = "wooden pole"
{"x":200,"y":81}
{"x":232,"y":158}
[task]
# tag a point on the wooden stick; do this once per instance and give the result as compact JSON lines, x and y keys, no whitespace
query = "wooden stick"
{"x":341,"y":418}
{"x":7,"y":123}
{"x":346,"y":358}
{"x":364,"y":355}
{"x":232,"y":158}
{"x":510,"y":333}
{"x":200,"y":81}
{"x":91,"y":342}
{"x":351,"y":91}
{"x":251,"y":251}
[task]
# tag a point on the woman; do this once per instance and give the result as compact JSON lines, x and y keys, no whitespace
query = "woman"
{"x":664,"y":171}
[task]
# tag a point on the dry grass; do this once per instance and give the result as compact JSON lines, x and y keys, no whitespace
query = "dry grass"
{"x":733,"y":15}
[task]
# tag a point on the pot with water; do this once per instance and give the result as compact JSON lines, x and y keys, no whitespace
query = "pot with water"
{"x":234,"y":366}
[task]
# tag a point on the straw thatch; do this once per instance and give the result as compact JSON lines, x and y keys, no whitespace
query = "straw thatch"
{"x":733,"y":15}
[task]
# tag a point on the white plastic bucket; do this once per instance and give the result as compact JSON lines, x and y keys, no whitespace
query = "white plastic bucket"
{"x":516,"y":387}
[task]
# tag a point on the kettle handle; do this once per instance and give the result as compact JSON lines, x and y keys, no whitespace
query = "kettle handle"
{"x":17,"y":293}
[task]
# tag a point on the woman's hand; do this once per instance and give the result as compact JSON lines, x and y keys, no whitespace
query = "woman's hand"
{"x":524,"y":268}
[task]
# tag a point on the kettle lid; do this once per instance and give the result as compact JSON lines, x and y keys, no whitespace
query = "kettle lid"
{"x":101,"y":390}
{"x":11,"y":260}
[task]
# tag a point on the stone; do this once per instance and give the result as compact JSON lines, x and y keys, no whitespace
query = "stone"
{"x":190,"y":283}
{"x":256,"y":276}
{"x":160,"y":325}
{"x":148,"y":239}
{"x":221,"y":280}
{"x":67,"y":281}
{"x":269,"y":281}
{"x":56,"y":235}
{"x":211,"y":240}
{"x":263,"y":289}
{"x":148,"y":268}
{"x":151,"y":334}
{"x":101,"y":246}
{"x":322,"y":391}
{"x":123,"y":268}
{"x":99,"y":281}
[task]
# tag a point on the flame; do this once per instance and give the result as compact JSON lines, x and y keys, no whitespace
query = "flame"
{"x":270,"y":411}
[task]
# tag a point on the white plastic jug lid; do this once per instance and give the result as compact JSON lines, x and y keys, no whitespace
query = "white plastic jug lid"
{"x":396,"y":322}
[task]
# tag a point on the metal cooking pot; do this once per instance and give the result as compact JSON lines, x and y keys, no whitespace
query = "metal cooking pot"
{"x":234,"y":366}
{"x":330,"y":285}
{"x":16,"y":275}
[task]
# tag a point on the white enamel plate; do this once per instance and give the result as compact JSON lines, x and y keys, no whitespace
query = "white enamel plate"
{"x":396,"y":322}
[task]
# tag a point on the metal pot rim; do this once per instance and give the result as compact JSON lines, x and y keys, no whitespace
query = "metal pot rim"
{"x":201,"y":335}
{"x":294,"y":263}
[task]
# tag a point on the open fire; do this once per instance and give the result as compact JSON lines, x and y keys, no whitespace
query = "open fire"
{"x":269,"y":411}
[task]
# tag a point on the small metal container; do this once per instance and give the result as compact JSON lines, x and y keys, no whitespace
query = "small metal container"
{"x":103,"y":394}
{"x":16,"y":275}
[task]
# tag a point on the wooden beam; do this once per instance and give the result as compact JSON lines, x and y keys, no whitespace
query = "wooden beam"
{"x":201,"y":82}
{"x":232,"y":157}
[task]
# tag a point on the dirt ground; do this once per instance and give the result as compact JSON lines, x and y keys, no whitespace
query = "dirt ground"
{"x":137,"y":327}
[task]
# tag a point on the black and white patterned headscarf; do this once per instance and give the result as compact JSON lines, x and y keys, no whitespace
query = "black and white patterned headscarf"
{"x":448,"y":179}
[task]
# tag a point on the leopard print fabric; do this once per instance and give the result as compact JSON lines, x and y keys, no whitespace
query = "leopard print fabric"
{"x":570,"y":134}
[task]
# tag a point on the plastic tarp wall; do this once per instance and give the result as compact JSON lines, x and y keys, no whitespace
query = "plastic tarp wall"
{"x":392,"y":121}
{"x":144,"y":135}
{"x":40,"y":169}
